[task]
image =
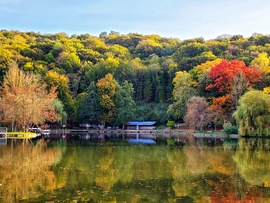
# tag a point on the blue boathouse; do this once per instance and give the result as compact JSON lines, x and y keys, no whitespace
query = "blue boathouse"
{"x":141,"y":125}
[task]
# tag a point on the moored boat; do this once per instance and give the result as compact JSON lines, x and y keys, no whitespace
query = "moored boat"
{"x":21,"y":135}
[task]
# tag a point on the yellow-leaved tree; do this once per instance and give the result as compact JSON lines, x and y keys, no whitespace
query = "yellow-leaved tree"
{"x":25,"y":100}
{"x":106,"y":88}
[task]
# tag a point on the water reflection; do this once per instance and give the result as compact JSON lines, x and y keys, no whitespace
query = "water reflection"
{"x":25,"y":169}
{"x":84,"y":169}
{"x":253,"y":161}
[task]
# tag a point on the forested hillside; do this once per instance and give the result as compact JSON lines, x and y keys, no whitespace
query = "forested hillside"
{"x":114,"y":78}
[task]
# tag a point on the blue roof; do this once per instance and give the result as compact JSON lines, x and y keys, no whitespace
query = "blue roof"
{"x":141,"y":123}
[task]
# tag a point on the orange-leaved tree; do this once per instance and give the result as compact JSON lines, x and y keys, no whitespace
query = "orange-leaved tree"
{"x":25,"y":100}
{"x":226,"y":76}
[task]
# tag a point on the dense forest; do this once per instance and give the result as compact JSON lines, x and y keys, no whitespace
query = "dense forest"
{"x":114,"y":78}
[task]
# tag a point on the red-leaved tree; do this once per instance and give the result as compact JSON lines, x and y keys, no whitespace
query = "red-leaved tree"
{"x":224,"y":76}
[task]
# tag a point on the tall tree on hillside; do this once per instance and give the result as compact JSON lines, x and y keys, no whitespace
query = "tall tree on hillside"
{"x":5,"y":61}
{"x":262,"y":64}
{"x":192,"y":54}
{"x":147,"y":47}
{"x":139,"y":78}
{"x":61,"y":82}
{"x":203,"y":68}
{"x":200,"y":74}
{"x":124,"y":103}
{"x":68,"y":61}
{"x":25,"y":100}
{"x":182,"y":92}
{"x":106,"y":88}
{"x":87,"y":105}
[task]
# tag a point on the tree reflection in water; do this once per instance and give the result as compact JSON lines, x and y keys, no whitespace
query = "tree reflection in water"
{"x":253,"y":161}
{"x":25,"y":169}
{"x":117,"y":171}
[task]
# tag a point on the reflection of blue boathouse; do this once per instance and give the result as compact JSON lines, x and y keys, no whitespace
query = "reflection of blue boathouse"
{"x":142,"y":130}
{"x":141,"y":125}
{"x":141,"y":141}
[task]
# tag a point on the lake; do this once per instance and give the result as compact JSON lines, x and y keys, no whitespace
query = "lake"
{"x":82,"y":168}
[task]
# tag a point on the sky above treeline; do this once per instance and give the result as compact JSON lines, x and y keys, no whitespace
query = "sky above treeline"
{"x":183,"y":19}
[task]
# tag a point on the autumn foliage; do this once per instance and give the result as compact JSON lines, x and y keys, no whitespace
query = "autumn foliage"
{"x":198,"y":113}
{"x":224,"y":73}
{"x":25,"y":100}
{"x":106,"y":89}
{"x":224,"y":76}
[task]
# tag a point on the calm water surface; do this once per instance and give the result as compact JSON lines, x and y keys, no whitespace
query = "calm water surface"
{"x":112,"y":170}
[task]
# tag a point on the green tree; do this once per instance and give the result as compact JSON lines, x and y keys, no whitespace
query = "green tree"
{"x":61,"y":82}
{"x":69,"y":61}
{"x":106,"y":88}
{"x":87,"y":105}
{"x":83,"y":79}
{"x":218,"y":48}
{"x":171,"y":124}
{"x":139,"y":79}
{"x":119,"y":51}
{"x":253,"y":113}
{"x":177,"y":110}
{"x":182,"y":79}
{"x":147,"y":47}
{"x":125,"y":72}
{"x":192,"y":54}
{"x":73,"y":83}
{"x":262,"y":64}
{"x":59,"y":108}
{"x":5,"y":61}
{"x":183,"y":90}
{"x":152,"y":86}
{"x":95,"y":44}
{"x":204,"y":68}
{"x":111,"y":64}
{"x":49,"y":58}
{"x":152,"y":112}
{"x":125,"y":104}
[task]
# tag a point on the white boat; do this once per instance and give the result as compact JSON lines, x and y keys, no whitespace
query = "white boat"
{"x":45,"y":132}
{"x":38,"y":131}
